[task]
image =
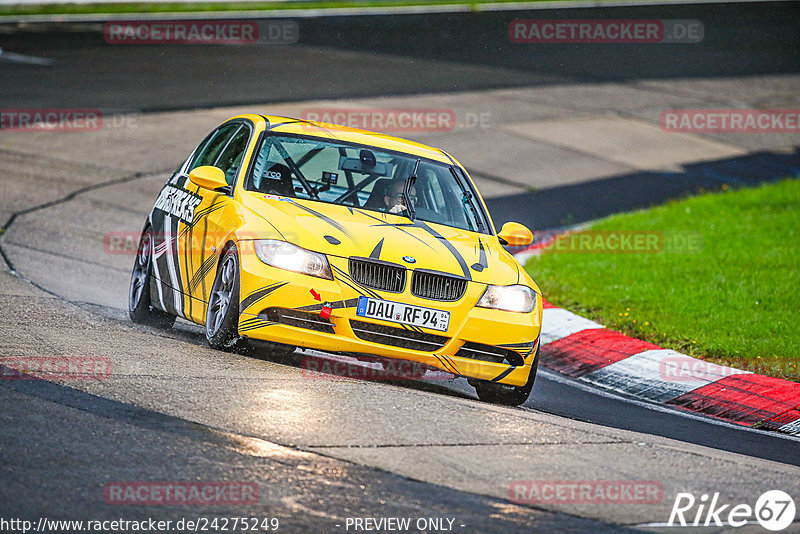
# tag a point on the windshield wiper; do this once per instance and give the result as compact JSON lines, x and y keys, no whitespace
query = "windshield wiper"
{"x":467,"y":199}
{"x":410,"y":181}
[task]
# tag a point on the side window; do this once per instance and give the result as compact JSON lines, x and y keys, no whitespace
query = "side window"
{"x":209,"y":153}
{"x":262,"y":158}
{"x":441,"y":199}
{"x":230,"y":159}
{"x":433,"y":196}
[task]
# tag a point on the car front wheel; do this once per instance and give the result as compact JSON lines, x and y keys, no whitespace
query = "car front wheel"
{"x":505,"y":394}
{"x":222,"y":316}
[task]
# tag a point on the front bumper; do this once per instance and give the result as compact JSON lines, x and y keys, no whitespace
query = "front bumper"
{"x":284,"y":307}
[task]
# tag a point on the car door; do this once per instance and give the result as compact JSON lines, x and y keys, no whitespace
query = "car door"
{"x":192,"y":224}
{"x":216,"y":217}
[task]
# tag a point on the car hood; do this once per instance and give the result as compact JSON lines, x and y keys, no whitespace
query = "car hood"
{"x":342,"y":231}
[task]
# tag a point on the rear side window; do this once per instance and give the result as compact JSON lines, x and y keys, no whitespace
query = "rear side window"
{"x":224,"y":148}
{"x":212,"y":148}
{"x":230,"y":159}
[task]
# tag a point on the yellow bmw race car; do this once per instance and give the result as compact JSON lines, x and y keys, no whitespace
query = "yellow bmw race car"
{"x":307,"y":234}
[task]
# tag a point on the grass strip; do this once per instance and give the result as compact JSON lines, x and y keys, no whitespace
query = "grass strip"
{"x":714,"y":276}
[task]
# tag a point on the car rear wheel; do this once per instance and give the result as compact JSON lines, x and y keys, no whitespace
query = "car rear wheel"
{"x":222,"y":316}
{"x":140,"y":308}
{"x":505,"y":394}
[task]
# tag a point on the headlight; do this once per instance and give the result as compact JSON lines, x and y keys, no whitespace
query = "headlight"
{"x":518,"y":298}
{"x":284,"y":255}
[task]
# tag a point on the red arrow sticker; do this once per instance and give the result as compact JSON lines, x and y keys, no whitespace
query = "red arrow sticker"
{"x":315,"y":295}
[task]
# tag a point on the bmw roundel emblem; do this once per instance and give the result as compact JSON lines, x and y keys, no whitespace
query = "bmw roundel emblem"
{"x":409,"y":259}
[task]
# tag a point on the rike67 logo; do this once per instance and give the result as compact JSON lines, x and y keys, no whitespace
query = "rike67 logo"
{"x":774,"y":510}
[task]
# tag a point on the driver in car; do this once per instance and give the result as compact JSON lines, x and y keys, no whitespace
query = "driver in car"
{"x":394,"y":199}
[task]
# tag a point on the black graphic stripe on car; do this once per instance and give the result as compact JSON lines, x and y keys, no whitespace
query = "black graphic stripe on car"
{"x":202,"y":272}
{"x":187,"y":261}
{"x":327,"y":219}
{"x":203,"y":256}
{"x":451,"y":362}
{"x":254,"y":323}
{"x":205,"y":212}
{"x":523,"y":349}
{"x":459,"y":258}
{"x":482,"y":261}
{"x":376,"y":252}
{"x":259,"y":294}
{"x":503,"y":374}
{"x":345,"y":278}
{"x":396,"y":226}
{"x":445,"y":364}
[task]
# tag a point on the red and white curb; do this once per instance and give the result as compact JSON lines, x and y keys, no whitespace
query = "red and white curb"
{"x":587,"y":351}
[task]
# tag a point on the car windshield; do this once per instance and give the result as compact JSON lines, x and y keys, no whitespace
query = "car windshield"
{"x":367,"y":178}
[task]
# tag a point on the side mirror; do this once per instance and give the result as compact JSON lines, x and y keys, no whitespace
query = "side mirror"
{"x":208,"y":177}
{"x":515,"y":234}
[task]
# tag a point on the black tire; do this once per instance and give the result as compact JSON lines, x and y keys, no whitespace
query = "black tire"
{"x":222,"y":316}
{"x":140,"y":308}
{"x":505,"y":394}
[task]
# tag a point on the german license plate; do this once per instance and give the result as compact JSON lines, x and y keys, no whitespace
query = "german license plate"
{"x":397,"y":312}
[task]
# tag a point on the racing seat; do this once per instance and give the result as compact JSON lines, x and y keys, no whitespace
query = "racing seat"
{"x":375,"y":200}
{"x":277,"y":180}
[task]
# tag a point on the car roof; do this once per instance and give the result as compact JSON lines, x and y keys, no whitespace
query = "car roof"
{"x":336,"y":132}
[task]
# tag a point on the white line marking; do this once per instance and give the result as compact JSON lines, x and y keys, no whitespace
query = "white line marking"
{"x":13,"y":57}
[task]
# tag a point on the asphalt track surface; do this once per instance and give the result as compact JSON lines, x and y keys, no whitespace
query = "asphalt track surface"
{"x":346,"y":57}
{"x":324,"y":450}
